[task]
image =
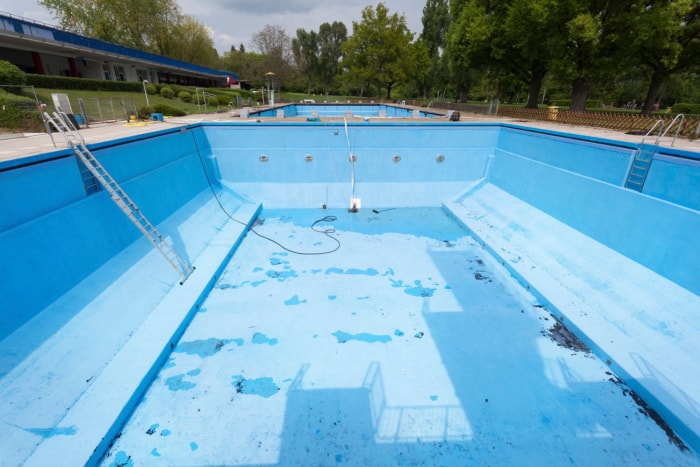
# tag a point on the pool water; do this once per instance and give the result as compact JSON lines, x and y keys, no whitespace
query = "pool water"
{"x":381,"y":338}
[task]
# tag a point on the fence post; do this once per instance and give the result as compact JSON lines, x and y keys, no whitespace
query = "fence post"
{"x":81,"y":104}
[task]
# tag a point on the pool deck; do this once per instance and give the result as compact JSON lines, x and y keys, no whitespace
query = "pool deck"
{"x":19,"y":146}
{"x":642,"y":351}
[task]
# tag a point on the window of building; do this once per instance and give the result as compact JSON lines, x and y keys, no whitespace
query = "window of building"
{"x":120,"y":73}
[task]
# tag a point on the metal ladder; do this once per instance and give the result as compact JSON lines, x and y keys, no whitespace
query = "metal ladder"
{"x":680,"y":117}
{"x":641,"y":161}
{"x":118,"y":195}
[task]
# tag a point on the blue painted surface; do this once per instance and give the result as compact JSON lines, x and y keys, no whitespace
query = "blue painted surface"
{"x":338,"y":110}
{"x":54,"y":234}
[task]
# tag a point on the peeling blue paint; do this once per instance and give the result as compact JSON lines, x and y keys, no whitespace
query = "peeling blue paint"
{"x":332,"y":297}
{"x":419,"y":290}
{"x":152,"y":429}
{"x":55,"y":431}
{"x":281,"y":276}
{"x":205,"y":347}
{"x":260,"y":338}
{"x":257,"y":283}
{"x":166,"y":432}
{"x":398,"y":332}
{"x":294,"y":301}
{"x":122,"y":459}
{"x":353,"y":271}
{"x":155,"y":453}
{"x":263,"y":387}
{"x":178,"y":383}
{"x":433,"y":398}
{"x":194,"y":446}
{"x":344,"y":337}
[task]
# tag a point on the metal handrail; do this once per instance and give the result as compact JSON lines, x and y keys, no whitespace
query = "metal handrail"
{"x":678,"y":130}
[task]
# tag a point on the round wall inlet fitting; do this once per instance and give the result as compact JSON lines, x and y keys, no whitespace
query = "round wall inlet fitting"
{"x":308,"y":158}
{"x":352,"y":158}
{"x":263,"y":158}
{"x":440,"y":158}
{"x":396,"y":158}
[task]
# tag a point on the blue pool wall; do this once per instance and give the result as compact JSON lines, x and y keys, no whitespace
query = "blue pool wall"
{"x":417,"y":179}
{"x":338,"y":110}
{"x":53,"y":235}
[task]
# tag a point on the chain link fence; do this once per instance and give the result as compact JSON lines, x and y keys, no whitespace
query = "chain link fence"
{"x":105,"y":110}
{"x":19,"y":110}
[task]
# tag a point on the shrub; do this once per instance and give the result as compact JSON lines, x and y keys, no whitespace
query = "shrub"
{"x":185,"y":96}
{"x":10,"y":74}
{"x":212,"y":101}
{"x":18,"y":112}
{"x":63,"y":82}
{"x":167,"y":92}
{"x":168,"y":110}
{"x":145,"y":112}
{"x":685,"y":108}
{"x":151,"y":89}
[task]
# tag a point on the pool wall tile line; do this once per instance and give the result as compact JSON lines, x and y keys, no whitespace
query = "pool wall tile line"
{"x":101,"y":412}
{"x":637,"y":321}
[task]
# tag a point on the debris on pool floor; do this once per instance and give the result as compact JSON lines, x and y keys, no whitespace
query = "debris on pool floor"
{"x":409,"y":345}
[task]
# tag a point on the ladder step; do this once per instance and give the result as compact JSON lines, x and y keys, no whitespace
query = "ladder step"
{"x":119,"y":196}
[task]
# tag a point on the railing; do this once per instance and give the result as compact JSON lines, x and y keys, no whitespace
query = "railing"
{"x":615,"y":121}
{"x":680,"y":117}
{"x":107,"y":109}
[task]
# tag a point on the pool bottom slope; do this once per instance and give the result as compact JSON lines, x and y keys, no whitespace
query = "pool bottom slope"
{"x":409,"y":345}
{"x":641,"y":324}
{"x":68,"y":394}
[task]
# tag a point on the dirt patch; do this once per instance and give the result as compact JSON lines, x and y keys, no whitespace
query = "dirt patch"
{"x":647,"y":411}
{"x":561,"y":335}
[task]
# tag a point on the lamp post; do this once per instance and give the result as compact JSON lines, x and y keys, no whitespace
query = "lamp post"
{"x":270,"y":76}
{"x":145,"y":82}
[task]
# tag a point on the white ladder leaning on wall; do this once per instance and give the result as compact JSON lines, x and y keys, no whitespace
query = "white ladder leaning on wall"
{"x":63,"y":125}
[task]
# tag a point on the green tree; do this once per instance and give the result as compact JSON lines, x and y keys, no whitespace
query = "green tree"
{"x":156,"y":26}
{"x":436,"y":22}
{"x":250,"y":66}
{"x":378,"y":49}
{"x":467,"y":48}
{"x":274,"y":43}
{"x":668,"y":42}
{"x":195,"y":44}
{"x":331,"y":38}
{"x":305,"y":47}
{"x":593,"y":45}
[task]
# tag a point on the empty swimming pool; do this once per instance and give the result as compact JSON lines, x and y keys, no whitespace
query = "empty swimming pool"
{"x":344,"y":110}
{"x":495,"y":298}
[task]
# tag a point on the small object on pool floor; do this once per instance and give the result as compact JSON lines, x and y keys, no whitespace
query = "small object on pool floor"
{"x":355,"y":204}
{"x":377,"y":211}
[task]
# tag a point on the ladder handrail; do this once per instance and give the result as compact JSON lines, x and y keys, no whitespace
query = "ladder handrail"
{"x":118,"y":195}
{"x":678,"y":130}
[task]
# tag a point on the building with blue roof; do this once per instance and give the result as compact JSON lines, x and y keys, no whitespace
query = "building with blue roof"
{"x":42,"y":49}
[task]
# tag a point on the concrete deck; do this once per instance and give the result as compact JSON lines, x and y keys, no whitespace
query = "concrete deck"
{"x":16,"y":146}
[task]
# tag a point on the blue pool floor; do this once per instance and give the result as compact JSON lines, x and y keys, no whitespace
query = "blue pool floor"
{"x":409,"y":345}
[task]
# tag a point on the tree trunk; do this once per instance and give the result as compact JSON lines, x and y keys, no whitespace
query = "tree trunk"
{"x":658,"y":77}
{"x":580,"y":89}
{"x":535,"y":85}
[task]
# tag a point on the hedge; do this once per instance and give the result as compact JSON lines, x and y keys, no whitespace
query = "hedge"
{"x":63,"y":82}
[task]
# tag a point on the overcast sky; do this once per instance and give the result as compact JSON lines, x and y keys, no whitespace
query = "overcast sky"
{"x":233,"y":22}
